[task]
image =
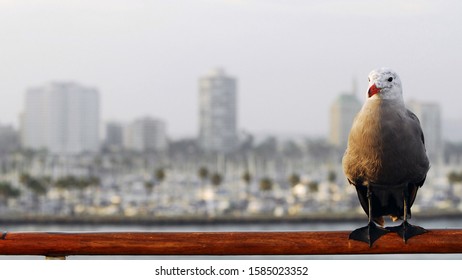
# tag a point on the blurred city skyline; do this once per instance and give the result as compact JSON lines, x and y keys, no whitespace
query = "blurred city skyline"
{"x":291,"y":59}
{"x":448,"y":129}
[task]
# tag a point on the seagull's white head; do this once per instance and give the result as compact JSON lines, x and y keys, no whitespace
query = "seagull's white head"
{"x":384,"y":83}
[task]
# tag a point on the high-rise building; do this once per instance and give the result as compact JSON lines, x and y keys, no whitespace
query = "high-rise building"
{"x":429,"y":114}
{"x":146,"y":134}
{"x":342,"y":114}
{"x":9,"y":139}
{"x":217,"y":112}
{"x":114,"y":138}
{"x":62,"y":118}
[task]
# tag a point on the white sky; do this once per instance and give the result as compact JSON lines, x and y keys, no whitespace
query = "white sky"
{"x":291,"y":57}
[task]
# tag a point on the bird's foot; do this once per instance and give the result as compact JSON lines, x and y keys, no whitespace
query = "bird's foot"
{"x":368,"y":234}
{"x":406,"y":230}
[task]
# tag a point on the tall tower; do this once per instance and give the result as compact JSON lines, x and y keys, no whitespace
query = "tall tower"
{"x":429,"y":114}
{"x":114,"y":135}
{"x":62,"y":118}
{"x":342,"y":114}
{"x":217,"y":112}
{"x":8,"y":139}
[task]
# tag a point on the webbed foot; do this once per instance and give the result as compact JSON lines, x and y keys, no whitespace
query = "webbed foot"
{"x":368,"y":234}
{"x":406,"y":230}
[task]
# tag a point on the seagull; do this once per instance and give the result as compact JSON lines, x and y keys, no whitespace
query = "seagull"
{"x":386,"y":159}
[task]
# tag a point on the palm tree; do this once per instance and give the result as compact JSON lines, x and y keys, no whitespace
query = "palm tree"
{"x":247,"y":177}
{"x":313,"y":186}
{"x":149,"y":187}
{"x":8,"y":191}
{"x":24,"y":178}
{"x":203,"y":173}
{"x":216,"y":179}
{"x":294,"y":179}
{"x":79,"y":184}
{"x":160,"y":175}
{"x":266,"y":184}
{"x":331,"y":176}
{"x":94,"y":180}
{"x":37,"y":187}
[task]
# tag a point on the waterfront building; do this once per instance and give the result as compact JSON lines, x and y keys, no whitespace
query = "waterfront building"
{"x":342,"y":114}
{"x":62,"y":118}
{"x":114,"y":138}
{"x":218,"y":112}
{"x":146,"y":134}
{"x":429,"y":114}
{"x":9,"y":139}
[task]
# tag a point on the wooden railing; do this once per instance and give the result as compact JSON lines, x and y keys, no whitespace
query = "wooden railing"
{"x":62,"y":244}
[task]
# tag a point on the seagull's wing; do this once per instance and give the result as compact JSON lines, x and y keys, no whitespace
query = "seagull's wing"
{"x":416,"y":124}
{"x":412,"y":116}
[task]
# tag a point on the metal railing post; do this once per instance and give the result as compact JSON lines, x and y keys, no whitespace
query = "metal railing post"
{"x":54,"y":258}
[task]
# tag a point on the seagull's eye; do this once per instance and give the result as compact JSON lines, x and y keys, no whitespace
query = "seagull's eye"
{"x":390,"y":79}
{"x":369,"y":79}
